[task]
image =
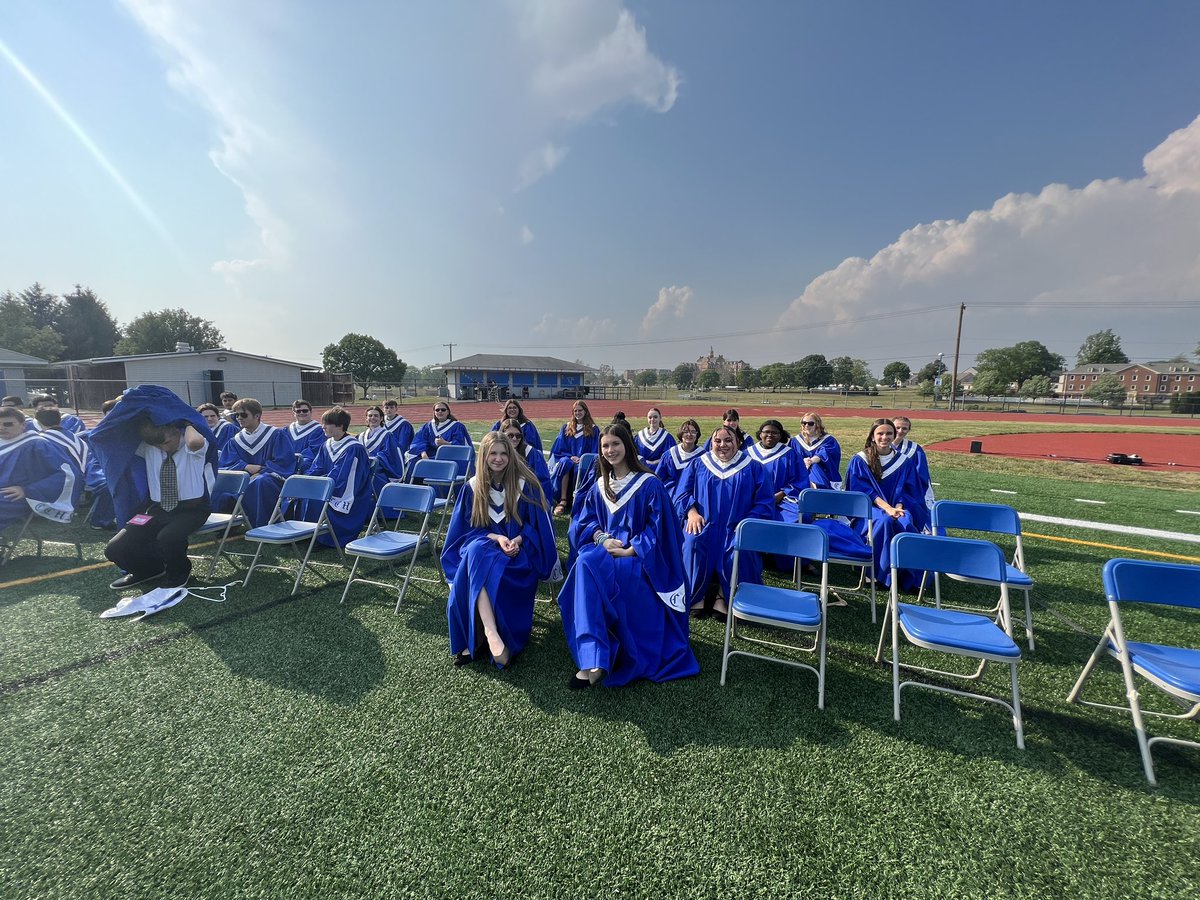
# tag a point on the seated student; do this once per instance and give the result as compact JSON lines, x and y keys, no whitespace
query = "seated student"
{"x":70,"y":423}
{"x":305,"y":434}
{"x":819,"y":452}
{"x":718,"y":491}
{"x":72,"y":451}
{"x":344,"y":459}
{"x":265,"y":453}
{"x":511,"y":428}
{"x":228,"y":398}
{"x":499,"y":544}
{"x":161,"y":466}
{"x":440,"y":431}
{"x":578,"y":436}
{"x":653,"y":441}
{"x":380,"y":445}
{"x":222,"y":430}
{"x":732,"y":420}
{"x":400,"y":428}
{"x":513,"y":410}
{"x":12,"y":401}
{"x":32,"y":473}
{"x":679,"y":457}
{"x":783,"y":466}
{"x":921,"y":503}
{"x":102,"y":516}
{"x":890,"y":480}
{"x":624,"y":603}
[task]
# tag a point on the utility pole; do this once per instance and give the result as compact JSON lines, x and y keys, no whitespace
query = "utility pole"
{"x":962,"y":307}
{"x":452,"y":346}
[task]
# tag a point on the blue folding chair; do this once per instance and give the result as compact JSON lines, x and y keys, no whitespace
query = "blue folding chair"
{"x":952,"y":631}
{"x":388,"y":545}
{"x":850,"y":505}
{"x":461,"y":455}
{"x":440,"y":474}
{"x":32,"y":527}
{"x":585,"y":475}
{"x":1173,"y":670}
{"x":792,"y":609}
{"x":991,"y":518}
{"x":231,"y":482}
{"x":279,"y":530}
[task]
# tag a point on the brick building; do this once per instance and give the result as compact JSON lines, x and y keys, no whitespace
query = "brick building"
{"x":1142,"y":381}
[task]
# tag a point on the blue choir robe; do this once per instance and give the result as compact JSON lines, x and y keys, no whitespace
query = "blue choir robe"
{"x":73,"y":451}
{"x":922,"y":500}
{"x":784,"y":468}
{"x":896,"y":487}
{"x":451,"y":430}
{"x":224,"y":433}
{"x":652,"y":447}
{"x":32,"y":463}
{"x":672,"y":465}
{"x":307,"y":441}
{"x":529,"y":430}
{"x":380,"y":445}
{"x":473,"y":562}
{"x":346,"y":462}
{"x":747,"y":440}
{"x":72,"y":424}
{"x":537,"y":464}
{"x":825,"y":473}
{"x":628,"y":615}
{"x":401,"y":431}
{"x":724,"y":494}
{"x":270,"y":448}
{"x":562,"y":468}
{"x":102,"y":514}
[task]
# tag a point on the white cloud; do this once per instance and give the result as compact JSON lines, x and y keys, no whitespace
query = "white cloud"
{"x":526,"y":235}
{"x":672,"y":303}
{"x":539,"y":163}
{"x":554,"y":329}
{"x":1114,"y":239}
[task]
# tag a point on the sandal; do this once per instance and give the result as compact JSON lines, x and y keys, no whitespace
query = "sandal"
{"x":561,"y":508}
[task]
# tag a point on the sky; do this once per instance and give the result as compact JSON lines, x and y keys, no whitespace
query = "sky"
{"x":626,"y":184}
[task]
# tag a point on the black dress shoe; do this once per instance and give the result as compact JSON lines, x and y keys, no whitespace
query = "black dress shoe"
{"x":579,"y":684}
{"x":132,"y":580}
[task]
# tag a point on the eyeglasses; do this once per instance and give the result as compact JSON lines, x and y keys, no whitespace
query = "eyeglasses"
{"x":770,"y":433}
{"x":808,"y":424}
{"x":304,"y":411}
{"x":7,"y":424}
{"x":242,"y":415}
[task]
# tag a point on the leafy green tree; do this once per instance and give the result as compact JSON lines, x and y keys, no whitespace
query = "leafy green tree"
{"x":777,"y":375}
{"x":813,"y":371}
{"x":1107,"y":389}
{"x":87,"y":327}
{"x":842,"y":370}
{"x":709,"y":379}
{"x":1036,"y":387}
{"x":158,"y":332}
{"x":896,"y":373}
{"x":1016,"y":363}
{"x":861,"y":377}
{"x":684,"y":376}
{"x":925,"y":388}
{"x":648,"y":378}
{"x":366,"y":360}
{"x":748,"y":379}
{"x":989,"y":383}
{"x":931,"y":370}
{"x":1101,"y":347}
{"x":19,"y":332}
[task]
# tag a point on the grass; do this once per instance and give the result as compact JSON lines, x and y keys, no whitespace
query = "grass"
{"x":270,"y":746}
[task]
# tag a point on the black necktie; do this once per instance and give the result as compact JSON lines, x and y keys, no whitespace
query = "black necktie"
{"x":168,"y":480}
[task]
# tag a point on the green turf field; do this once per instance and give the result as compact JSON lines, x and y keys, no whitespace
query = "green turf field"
{"x":269,"y":746}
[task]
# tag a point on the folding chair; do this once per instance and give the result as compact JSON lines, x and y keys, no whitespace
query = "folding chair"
{"x":388,"y":545}
{"x":279,"y":530}
{"x":1174,"y":670}
{"x":852,"y":505}
{"x":233,"y":482}
{"x":29,"y":529}
{"x":788,"y":608}
{"x":952,"y":631}
{"x":439,"y":473}
{"x":587,"y":466}
{"x":992,"y":518}
{"x":461,"y":456}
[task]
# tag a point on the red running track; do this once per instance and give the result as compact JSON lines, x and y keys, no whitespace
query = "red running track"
{"x":1159,"y":451}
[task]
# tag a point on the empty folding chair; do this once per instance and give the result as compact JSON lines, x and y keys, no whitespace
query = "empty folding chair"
{"x":461,"y":455}
{"x":440,"y":474}
{"x":233,"y":483}
{"x":792,"y":609}
{"x":952,"y":631}
{"x":992,"y":518}
{"x":35,"y":528}
{"x":585,"y":475}
{"x":1173,"y":670}
{"x":850,"y":505}
{"x":388,"y":545}
{"x":289,"y":531}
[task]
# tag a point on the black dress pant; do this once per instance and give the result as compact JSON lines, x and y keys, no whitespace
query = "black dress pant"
{"x":160,"y":544}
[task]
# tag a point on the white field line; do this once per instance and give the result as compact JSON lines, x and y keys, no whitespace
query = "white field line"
{"x":1188,"y":512}
{"x":998,"y":491}
{"x":1117,"y":529}
{"x":1097,"y":502}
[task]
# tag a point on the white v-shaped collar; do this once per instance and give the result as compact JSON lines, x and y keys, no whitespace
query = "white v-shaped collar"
{"x":496,"y":498}
{"x":252,"y":443}
{"x":757,"y":451}
{"x":372,"y":439}
{"x":440,"y":429}
{"x":815,"y":444}
{"x":735,"y":465}
{"x":682,"y":456}
{"x":652,"y":443}
{"x":393,"y":423}
{"x":891,"y":465}
{"x":74,"y":445}
{"x":23,"y":438}
{"x":296,"y":430}
{"x":335,"y":449}
{"x":631,"y":487}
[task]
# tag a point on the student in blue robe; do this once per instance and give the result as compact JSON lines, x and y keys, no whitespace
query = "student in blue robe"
{"x":536,"y":461}
{"x":72,"y":451}
{"x":380,"y":445}
{"x":500,"y":543}
{"x":32,"y":473}
{"x":819,"y":452}
{"x":399,"y":427}
{"x":782,"y":464}
{"x":70,"y":423}
{"x":718,"y":491}
{"x":921,"y":503}
{"x":890,"y":480}
{"x":306,"y":435}
{"x":732,"y":419}
{"x":265,"y":453}
{"x":222,"y":430}
{"x":578,"y":436}
{"x":624,"y":603}
{"x":101,"y":516}
{"x":344,"y":459}
{"x":686,"y":451}
{"x":653,"y":441}
{"x":443,"y":429}
{"x":513,"y":410}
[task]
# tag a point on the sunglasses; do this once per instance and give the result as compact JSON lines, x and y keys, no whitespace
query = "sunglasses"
{"x":303,"y":410}
{"x":809,"y":424}
{"x":242,"y":415}
{"x":7,"y":424}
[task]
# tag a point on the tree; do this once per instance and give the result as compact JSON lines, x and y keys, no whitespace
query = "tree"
{"x":861,"y":377}
{"x":648,"y":378}
{"x":931,"y":370}
{"x":709,"y":379}
{"x":87,"y":327}
{"x":684,"y":376}
{"x":1107,"y":389}
{"x":813,"y":371}
{"x":777,"y":375}
{"x":988,"y":383}
{"x":366,"y":360}
{"x":1018,"y":362}
{"x":925,"y":388}
{"x":748,"y":379}
{"x":1037,"y":386}
{"x":1101,"y":347}
{"x":843,"y":371}
{"x":158,"y":332}
{"x":896,"y":373}
{"x":18,"y":331}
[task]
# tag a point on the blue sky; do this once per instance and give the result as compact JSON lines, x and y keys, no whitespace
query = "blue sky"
{"x":618,"y":183}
